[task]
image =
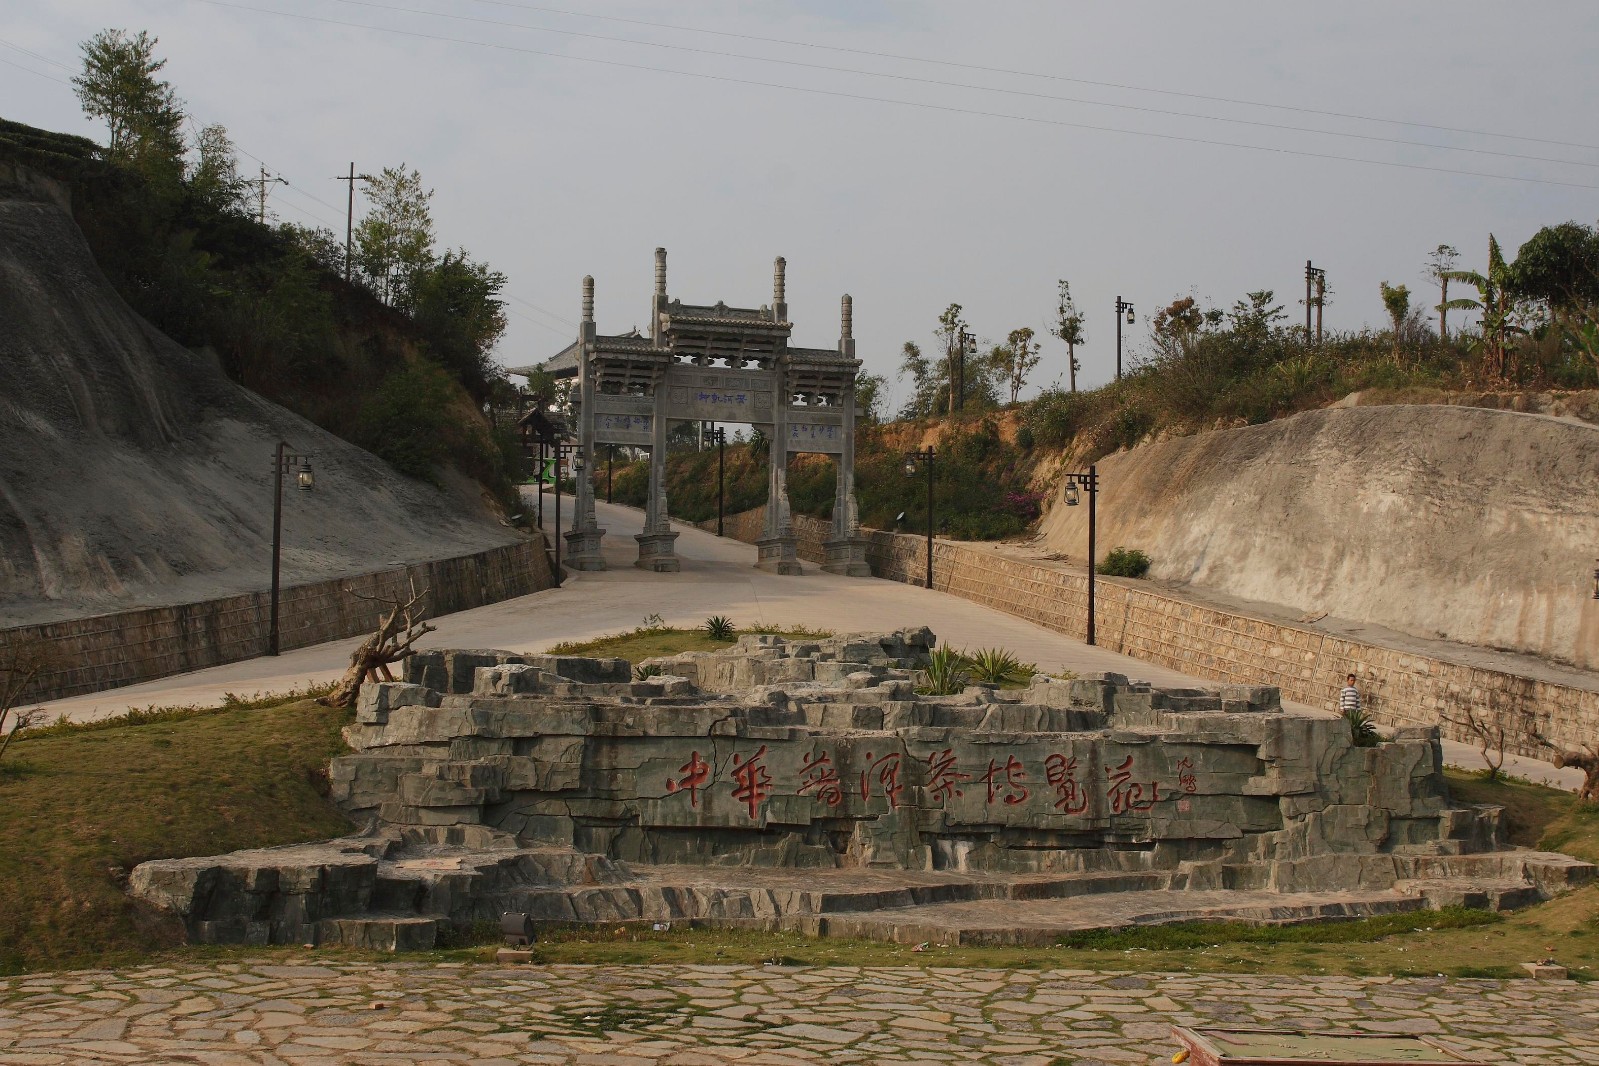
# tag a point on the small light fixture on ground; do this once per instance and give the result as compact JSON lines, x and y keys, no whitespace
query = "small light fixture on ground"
{"x":1089,"y":481}
{"x":914,"y":462}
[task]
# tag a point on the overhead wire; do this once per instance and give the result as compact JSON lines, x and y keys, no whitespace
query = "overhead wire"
{"x":943,"y":83}
{"x":35,"y":73}
{"x":1037,"y":74}
{"x":920,"y":105}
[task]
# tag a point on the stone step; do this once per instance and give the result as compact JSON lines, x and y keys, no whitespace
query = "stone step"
{"x":379,"y":932}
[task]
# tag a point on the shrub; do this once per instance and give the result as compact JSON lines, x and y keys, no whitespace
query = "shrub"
{"x":645,"y":671}
{"x":1362,"y":730}
{"x":1124,"y":562}
{"x":720,"y":627}
{"x":946,"y":675}
{"x":993,"y":666}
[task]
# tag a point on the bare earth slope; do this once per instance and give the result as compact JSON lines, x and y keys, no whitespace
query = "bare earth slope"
{"x":1458,"y":523}
{"x":133,"y":472}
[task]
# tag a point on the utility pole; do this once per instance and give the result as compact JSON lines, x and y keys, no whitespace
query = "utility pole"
{"x":1315,"y":291}
{"x":1122,"y":307}
{"x":349,"y":214}
{"x":261,"y":184}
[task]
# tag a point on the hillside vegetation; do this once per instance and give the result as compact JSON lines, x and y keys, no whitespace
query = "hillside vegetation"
{"x":403,"y":368}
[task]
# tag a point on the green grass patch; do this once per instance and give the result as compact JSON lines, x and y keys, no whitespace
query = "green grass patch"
{"x":95,"y":801}
{"x":652,"y":642}
{"x":1179,"y":936}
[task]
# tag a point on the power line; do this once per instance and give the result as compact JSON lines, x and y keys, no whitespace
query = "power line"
{"x":970,"y":86}
{"x":921,"y":105}
{"x":36,"y":73}
{"x":534,"y":321}
{"x":567,"y":322}
{"x":1035,"y":74}
{"x":41,"y":58}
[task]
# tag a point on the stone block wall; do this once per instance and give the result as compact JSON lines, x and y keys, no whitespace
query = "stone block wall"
{"x":110,"y":650}
{"x":1308,"y":665}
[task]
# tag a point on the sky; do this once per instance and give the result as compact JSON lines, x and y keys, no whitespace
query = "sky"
{"x":912,"y":154}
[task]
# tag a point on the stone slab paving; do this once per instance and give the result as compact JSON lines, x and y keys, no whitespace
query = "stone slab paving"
{"x":272,"y":1014}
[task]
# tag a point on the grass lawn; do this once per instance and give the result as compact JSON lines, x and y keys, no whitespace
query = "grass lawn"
{"x":80,"y":806}
{"x":652,"y":642}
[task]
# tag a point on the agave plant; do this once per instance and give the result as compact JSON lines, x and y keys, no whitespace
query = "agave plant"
{"x":946,"y":673}
{"x":720,"y":627}
{"x":645,"y":671}
{"x":1362,"y":730}
{"x":993,"y":666}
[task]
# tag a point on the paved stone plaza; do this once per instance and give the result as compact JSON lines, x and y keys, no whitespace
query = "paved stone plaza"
{"x":266,"y":1014}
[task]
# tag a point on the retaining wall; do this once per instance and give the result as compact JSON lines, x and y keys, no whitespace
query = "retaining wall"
{"x":1307,"y":664}
{"x":110,"y":650}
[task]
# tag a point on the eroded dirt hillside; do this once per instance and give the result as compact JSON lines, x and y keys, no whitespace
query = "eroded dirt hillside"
{"x":132,"y":471}
{"x":1472,"y":525}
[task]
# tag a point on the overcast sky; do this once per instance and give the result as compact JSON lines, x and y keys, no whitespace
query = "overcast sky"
{"x":557,"y":154}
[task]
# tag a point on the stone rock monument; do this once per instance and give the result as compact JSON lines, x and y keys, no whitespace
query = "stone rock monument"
{"x":808,"y":785}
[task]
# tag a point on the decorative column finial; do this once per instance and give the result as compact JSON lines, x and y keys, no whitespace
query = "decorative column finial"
{"x":777,"y":281}
{"x":588,"y":298}
{"x":846,"y":317}
{"x":660,"y":271}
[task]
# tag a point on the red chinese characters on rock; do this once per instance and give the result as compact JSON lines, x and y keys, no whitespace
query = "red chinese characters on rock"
{"x":944,"y":776}
{"x":818,"y":775}
{"x":1185,"y":776}
{"x":884,"y":771}
{"x":752,"y":782}
{"x":695,"y":773}
{"x":1061,"y":773}
{"x":1124,"y":793}
{"x":1007,"y":781}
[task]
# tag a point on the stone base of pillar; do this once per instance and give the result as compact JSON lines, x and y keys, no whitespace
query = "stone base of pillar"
{"x":847,"y":556}
{"x":779,"y":554}
{"x":583,"y":549}
{"x":657,"y":552}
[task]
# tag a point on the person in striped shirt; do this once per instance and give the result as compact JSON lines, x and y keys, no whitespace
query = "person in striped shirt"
{"x":1349,"y":696}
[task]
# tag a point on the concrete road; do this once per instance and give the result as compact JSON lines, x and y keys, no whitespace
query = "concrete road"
{"x":718,"y":577}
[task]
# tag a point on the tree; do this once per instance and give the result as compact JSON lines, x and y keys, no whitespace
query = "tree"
{"x":1255,"y":317}
{"x":456,"y":303}
{"x":1069,"y":328}
{"x":1493,"y":300}
{"x":868,"y":396}
{"x":1178,"y":320}
{"x":1441,"y":269}
{"x":394,"y":241}
{"x":1559,"y":268}
{"x":914,"y":364}
{"x":143,"y":115}
{"x":1396,"y":301}
{"x":214,"y":178}
{"x":1016,"y":359}
{"x":952,"y":331}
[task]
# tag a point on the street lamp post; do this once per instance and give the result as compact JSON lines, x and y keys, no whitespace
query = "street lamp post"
{"x":562,"y":450}
{"x":283,"y":460}
{"x":914,"y":462}
{"x":610,"y":468}
{"x":1122,"y":307}
{"x":719,"y":435}
{"x":1089,"y":481}
{"x":968,"y":345}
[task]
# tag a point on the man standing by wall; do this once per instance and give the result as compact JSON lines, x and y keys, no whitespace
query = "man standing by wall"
{"x":1349,"y":697}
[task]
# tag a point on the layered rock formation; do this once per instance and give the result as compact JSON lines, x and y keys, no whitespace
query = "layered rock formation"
{"x":809,"y":785}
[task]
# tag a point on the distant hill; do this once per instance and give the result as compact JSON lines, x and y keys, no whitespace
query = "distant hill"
{"x":135,"y":472}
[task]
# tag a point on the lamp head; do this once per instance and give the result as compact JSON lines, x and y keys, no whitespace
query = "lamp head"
{"x":1129,"y":314}
{"x":1071,"y":493}
{"x":305,"y":478}
{"x":910,"y":466}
